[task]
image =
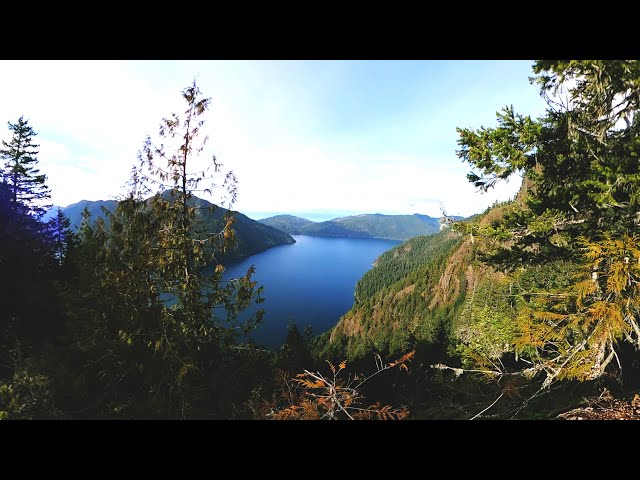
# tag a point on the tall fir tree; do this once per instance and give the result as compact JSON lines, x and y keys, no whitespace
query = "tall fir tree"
{"x":27,"y":185}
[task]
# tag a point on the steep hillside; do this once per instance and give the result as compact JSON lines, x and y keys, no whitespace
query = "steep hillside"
{"x":430,"y":290}
{"x":405,"y":298}
{"x":251,"y":236}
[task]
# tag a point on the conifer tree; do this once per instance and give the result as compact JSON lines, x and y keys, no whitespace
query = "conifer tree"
{"x":580,"y":202}
{"x":156,"y":308}
{"x":28,"y":186}
{"x":61,"y":236}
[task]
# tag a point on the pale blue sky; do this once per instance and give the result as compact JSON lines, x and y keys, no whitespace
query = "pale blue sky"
{"x":323,"y":138}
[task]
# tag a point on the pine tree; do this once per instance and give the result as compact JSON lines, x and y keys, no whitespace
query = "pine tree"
{"x":27,"y":184}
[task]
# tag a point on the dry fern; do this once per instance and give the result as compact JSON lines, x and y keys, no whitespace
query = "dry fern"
{"x":314,"y":396}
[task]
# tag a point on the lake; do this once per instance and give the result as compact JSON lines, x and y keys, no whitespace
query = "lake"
{"x":311,"y":282}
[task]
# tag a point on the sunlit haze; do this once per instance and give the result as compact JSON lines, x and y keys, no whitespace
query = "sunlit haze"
{"x":314,"y":138}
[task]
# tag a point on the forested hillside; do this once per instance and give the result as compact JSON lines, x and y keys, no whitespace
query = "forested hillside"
{"x":410,"y":296}
{"x":376,"y":225}
{"x":522,"y":311}
{"x":544,"y":288}
{"x":251,"y":236}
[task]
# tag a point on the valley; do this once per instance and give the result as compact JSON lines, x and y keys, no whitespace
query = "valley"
{"x":167,"y":302}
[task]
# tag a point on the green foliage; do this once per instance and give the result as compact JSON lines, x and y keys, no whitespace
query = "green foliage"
{"x":395,"y":264}
{"x":580,"y":207}
{"x":322,"y":347}
{"x":27,"y":395}
{"x":396,"y":305}
{"x":582,"y":172}
{"x":601,"y":92}
{"x":159,"y":324}
{"x":499,"y":152}
{"x":28,"y":298}
{"x":484,"y":327}
{"x":61,"y":236}
{"x":294,"y":354}
{"x":572,"y":326}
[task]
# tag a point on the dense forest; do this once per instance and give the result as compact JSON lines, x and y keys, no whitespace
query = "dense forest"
{"x":522,"y":311}
{"x":127,"y":314}
{"x":541,"y":292}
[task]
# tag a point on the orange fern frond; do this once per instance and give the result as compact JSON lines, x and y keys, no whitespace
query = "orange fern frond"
{"x":403,"y":360}
{"x":333,"y":369}
{"x":309,"y":383}
{"x":290,"y":413}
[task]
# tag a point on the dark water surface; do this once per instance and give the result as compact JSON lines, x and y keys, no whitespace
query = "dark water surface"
{"x":311,"y":282}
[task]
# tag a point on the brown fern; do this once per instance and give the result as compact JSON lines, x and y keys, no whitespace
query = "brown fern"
{"x":313,"y":396}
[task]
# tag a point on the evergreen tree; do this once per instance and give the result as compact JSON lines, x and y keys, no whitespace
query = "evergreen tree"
{"x":26,"y":270}
{"x":154,"y":307}
{"x":27,"y":184}
{"x":294,"y":354}
{"x":61,"y":236}
{"x":580,"y":202}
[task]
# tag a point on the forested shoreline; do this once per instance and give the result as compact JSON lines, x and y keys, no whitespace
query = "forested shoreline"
{"x":519,"y":312}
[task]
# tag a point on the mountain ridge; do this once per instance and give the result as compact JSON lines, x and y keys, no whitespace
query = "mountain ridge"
{"x":366,"y":225}
{"x":251,"y":236}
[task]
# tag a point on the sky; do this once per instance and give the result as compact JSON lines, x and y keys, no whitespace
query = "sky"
{"x":319,"y":139}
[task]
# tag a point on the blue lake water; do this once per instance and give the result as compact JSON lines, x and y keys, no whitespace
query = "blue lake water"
{"x":311,"y":282}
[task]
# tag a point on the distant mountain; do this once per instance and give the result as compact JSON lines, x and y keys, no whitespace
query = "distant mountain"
{"x":396,"y":227}
{"x":332,"y":228}
{"x":432,"y":222}
{"x":287,"y":223}
{"x":51,"y":213}
{"x":74,"y":211}
{"x":376,"y":225}
{"x":251,"y":236}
